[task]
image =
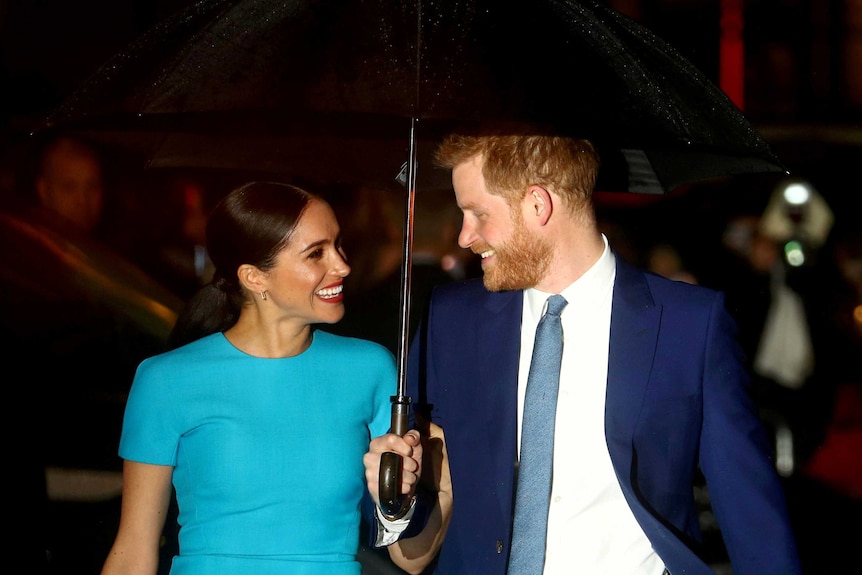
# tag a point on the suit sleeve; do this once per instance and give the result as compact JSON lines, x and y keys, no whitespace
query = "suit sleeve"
{"x":736,"y":458}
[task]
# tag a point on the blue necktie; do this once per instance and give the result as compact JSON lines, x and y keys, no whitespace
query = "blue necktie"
{"x":537,"y":445}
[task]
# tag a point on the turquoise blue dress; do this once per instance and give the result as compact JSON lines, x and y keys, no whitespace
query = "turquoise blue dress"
{"x":267,"y":453}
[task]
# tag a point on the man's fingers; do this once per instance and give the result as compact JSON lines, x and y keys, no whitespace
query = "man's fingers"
{"x":412,"y":437}
{"x":393,"y":443}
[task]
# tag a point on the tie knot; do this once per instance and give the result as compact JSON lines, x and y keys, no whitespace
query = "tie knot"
{"x":556,"y":303}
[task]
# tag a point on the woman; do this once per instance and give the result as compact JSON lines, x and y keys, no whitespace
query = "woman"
{"x":258,"y":420}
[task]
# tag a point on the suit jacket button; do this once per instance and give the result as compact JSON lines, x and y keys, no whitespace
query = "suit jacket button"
{"x":499,"y":546}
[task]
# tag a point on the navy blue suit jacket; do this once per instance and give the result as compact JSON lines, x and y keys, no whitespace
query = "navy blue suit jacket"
{"x":677,"y":398}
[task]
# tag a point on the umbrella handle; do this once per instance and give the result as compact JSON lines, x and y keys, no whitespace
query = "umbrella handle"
{"x":392,"y":503}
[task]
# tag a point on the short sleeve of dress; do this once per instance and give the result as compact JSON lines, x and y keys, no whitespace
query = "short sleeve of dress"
{"x":150,"y":433}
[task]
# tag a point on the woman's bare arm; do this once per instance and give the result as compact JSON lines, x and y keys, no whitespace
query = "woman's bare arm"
{"x":146,"y":497}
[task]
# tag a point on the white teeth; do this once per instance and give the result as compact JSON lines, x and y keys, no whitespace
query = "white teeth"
{"x":330,"y":292}
{"x":487,"y":253}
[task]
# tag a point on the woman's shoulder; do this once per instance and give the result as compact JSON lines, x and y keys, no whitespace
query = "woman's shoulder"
{"x":351,"y":345}
{"x":193,"y":352}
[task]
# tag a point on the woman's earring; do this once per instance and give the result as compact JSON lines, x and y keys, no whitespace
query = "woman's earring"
{"x":263,"y":295}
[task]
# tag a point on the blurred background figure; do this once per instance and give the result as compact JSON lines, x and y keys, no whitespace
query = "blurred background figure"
{"x":827,"y":491}
{"x":76,"y":317}
{"x":790,"y":245}
{"x":372,"y":299}
{"x":797,"y":295}
{"x":664,"y":259}
{"x":769,"y":292}
{"x":170,"y":246}
{"x":69,"y":182}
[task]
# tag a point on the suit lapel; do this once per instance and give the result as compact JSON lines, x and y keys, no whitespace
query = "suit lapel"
{"x":635,"y":320}
{"x":501,"y":324}
{"x":633,"y":337}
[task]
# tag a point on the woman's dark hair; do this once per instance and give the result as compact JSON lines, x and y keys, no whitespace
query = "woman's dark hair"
{"x":250,"y":225}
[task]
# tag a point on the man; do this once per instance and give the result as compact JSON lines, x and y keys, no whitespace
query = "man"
{"x":69,"y":182}
{"x":652,"y":385}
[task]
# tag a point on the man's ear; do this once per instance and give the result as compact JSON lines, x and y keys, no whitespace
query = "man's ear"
{"x":540,"y":204}
{"x":251,"y":278}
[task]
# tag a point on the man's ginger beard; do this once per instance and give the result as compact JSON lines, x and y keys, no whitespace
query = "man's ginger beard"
{"x":521,"y":262}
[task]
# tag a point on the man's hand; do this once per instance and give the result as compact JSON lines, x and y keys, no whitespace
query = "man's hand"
{"x":408,"y":447}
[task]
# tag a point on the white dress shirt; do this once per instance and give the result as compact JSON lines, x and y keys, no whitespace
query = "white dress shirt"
{"x":590,"y":526}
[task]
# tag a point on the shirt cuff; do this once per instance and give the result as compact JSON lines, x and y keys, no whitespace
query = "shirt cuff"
{"x":388,"y":530}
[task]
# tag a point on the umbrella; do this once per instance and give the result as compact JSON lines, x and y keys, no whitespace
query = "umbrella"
{"x":271,"y":84}
{"x":361,"y":89}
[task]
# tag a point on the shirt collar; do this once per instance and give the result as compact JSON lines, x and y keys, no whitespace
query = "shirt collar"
{"x":583,"y":292}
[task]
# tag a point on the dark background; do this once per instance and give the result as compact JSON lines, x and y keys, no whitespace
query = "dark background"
{"x":802,"y":91}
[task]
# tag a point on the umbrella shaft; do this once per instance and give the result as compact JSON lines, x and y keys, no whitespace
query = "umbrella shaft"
{"x":407,"y":264}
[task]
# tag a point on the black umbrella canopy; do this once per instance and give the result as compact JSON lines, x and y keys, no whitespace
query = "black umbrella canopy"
{"x":341,"y":89}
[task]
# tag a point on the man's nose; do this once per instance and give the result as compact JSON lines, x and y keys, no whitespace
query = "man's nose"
{"x":467,"y":235}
